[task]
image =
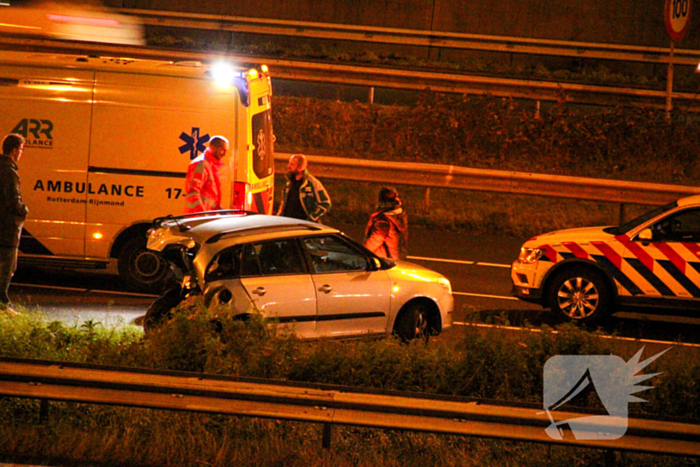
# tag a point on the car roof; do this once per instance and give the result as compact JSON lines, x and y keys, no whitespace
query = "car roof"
{"x":689,"y":200}
{"x":212,"y":228}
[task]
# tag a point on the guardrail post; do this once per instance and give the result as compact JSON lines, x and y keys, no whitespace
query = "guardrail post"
{"x":327,"y":432}
{"x":426,"y":199}
{"x":43,"y":411}
{"x":371,"y":94}
{"x":623,"y":213}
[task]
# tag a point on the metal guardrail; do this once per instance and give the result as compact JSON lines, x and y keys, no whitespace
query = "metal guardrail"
{"x":410,"y":37}
{"x":463,"y":178}
{"x":72,"y":382}
{"x":394,"y":78}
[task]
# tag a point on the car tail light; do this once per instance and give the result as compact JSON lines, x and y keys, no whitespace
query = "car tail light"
{"x":241,"y":196}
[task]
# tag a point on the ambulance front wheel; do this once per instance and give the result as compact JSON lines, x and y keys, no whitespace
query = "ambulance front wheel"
{"x":580,"y":294}
{"x":142,"y":270}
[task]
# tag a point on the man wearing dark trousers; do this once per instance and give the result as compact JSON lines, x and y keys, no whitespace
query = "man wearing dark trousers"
{"x":13,"y":212}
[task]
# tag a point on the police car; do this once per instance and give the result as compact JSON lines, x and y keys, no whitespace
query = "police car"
{"x":652,"y":261}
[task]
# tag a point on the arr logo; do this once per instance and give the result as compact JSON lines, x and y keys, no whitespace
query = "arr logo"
{"x":36,"y":132}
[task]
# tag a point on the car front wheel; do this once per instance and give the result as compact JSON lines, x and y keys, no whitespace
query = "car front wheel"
{"x":580,"y":294}
{"x":413,"y":323}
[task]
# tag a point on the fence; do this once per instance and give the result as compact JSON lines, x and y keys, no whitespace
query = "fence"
{"x":501,"y":181}
{"x":328,"y":405}
{"x":371,"y":77}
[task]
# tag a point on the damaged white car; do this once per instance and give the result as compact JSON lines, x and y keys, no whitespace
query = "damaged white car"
{"x":305,"y":275}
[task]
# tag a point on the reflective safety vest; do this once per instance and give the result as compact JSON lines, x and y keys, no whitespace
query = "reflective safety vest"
{"x":203,"y":187}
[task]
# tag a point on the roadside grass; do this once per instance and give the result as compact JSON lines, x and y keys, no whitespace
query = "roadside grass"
{"x":479,"y":365}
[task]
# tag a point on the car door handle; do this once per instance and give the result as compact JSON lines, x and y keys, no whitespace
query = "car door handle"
{"x":260,"y":291}
{"x":325,"y":288}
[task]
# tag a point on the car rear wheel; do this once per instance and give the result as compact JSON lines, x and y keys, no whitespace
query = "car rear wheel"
{"x":413,"y":323}
{"x":580,"y":294}
{"x":141,"y":269}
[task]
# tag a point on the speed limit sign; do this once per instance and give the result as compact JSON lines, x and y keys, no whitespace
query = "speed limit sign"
{"x":677,"y":15}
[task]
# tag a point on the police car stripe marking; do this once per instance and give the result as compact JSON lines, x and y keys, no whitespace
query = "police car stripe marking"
{"x":647,"y":273}
{"x":576,"y":249}
{"x":617,"y":274}
{"x":680,"y":276}
{"x":637,"y":251}
{"x":671,"y":254}
{"x":612,"y":255}
{"x":694,"y":248}
{"x":549,"y":253}
{"x":695,"y":266}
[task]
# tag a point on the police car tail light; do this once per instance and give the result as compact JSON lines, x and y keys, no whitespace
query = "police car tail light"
{"x":241,"y":196}
{"x":530,"y":255}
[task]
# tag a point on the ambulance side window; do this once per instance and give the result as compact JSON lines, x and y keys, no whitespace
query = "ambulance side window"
{"x":683,"y":226}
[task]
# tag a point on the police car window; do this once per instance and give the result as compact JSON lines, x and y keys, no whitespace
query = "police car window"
{"x":272,"y":258}
{"x":683,"y":226}
{"x":626,"y":227}
{"x":225,"y":265}
{"x":331,"y":254}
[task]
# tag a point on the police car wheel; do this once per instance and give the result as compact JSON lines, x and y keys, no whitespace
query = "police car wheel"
{"x":580,"y":294}
{"x":141,"y":269}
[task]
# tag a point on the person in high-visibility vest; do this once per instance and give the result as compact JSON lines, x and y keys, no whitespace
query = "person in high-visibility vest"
{"x":202,"y":186}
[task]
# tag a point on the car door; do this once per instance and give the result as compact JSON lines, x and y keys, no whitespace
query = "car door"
{"x":667,"y":265}
{"x":351,"y":298}
{"x":274,"y":276}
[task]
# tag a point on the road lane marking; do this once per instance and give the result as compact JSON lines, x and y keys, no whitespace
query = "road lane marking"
{"x":53,"y":287}
{"x":501,"y":297}
{"x":75,"y":289}
{"x":618,"y":338}
{"x":493,"y":265}
{"x":440,"y":260}
{"x":128,"y":294}
{"x":457,"y":261}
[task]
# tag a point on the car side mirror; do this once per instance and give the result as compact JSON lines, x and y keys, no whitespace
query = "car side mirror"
{"x":374,"y":264}
{"x":645,"y":235}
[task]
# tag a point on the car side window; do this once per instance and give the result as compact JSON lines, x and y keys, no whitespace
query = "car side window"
{"x":225,"y":265}
{"x":683,"y":226}
{"x":272,"y":258}
{"x":331,"y":254}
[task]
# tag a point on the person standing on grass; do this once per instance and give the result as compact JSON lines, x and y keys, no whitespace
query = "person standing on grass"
{"x":13,"y":213}
{"x":304,"y":196}
{"x":386,"y":234}
{"x":202,"y":185}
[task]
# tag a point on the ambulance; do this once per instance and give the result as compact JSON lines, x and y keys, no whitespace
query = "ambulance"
{"x":652,"y":262}
{"x":108,"y":143}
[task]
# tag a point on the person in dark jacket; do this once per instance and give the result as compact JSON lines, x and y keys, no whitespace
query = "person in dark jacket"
{"x":13,"y":212}
{"x":386,"y":234}
{"x":304,"y":196}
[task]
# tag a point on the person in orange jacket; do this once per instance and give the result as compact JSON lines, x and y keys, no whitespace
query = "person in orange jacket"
{"x":386,"y":234}
{"x":202,"y":186}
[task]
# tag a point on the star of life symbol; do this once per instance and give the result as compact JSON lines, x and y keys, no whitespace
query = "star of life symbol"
{"x":262,"y":146}
{"x":193,"y":143}
{"x":609,"y":377}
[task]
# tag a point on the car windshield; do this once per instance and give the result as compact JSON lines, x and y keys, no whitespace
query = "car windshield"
{"x":627,"y":226}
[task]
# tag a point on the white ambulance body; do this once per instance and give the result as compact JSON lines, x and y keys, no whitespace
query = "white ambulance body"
{"x":108,"y":143}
